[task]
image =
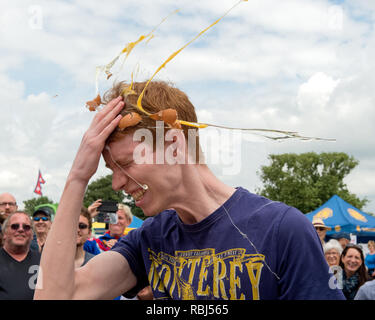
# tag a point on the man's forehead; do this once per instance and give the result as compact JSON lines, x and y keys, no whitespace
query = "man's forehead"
{"x":83,"y":219}
{"x":119,"y":150}
{"x":19,"y":217}
{"x":7,"y":197}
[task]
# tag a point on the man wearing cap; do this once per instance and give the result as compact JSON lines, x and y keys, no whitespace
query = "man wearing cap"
{"x":42,"y":224}
{"x":320,"y":228}
{"x":343,"y":238}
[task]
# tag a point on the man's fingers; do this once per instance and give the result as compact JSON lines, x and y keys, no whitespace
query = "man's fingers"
{"x":114,"y":112}
{"x":110,"y":127}
{"x":105,"y":117}
{"x":112,"y":103}
{"x":108,"y":108}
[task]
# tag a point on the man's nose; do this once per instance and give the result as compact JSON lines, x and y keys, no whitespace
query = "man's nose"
{"x":119,"y":181}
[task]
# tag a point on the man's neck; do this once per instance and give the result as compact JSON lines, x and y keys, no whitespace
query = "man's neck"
{"x":200,"y":195}
{"x":80,"y":256}
{"x":17,"y":253}
{"x":41,"y":236}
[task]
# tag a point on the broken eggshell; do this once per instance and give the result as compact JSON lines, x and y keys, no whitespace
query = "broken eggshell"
{"x":130,"y":120}
{"x":92,"y":105}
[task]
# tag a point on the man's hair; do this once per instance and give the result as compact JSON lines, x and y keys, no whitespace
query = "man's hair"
{"x":159,"y":95}
{"x":85,"y":213}
{"x":6,"y":222}
{"x":127,"y":211}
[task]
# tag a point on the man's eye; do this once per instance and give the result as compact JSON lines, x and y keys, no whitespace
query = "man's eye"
{"x":125,"y":165}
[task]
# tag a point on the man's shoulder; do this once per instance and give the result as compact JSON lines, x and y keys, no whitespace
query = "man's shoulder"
{"x":261,"y":207}
{"x":366,"y":291}
{"x":369,"y":285}
{"x":256,"y":201}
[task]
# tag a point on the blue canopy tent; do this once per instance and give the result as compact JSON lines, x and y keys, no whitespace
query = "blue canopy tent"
{"x":341,"y":216}
{"x":136,"y":223}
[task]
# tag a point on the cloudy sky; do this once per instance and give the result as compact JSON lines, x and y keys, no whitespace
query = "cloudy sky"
{"x":299,"y":65}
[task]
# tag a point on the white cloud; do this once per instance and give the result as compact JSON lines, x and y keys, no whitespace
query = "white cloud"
{"x":294,"y":65}
{"x":316,"y":92}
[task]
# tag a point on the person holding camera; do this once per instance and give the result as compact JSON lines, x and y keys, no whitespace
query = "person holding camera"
{"x":115,"y":230}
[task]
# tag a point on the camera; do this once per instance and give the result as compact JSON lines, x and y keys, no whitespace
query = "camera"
{"x":107,"y":212}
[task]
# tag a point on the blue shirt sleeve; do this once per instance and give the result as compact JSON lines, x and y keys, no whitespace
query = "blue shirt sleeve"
{"x":304,"y":272}
{"x":91,"y":247}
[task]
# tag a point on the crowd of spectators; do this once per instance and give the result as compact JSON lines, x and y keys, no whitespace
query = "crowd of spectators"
{"x":22,"y":238}
{"x":354,"y":273}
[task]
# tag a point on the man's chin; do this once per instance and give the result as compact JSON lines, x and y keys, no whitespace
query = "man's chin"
{"x":20,"y":244}
{"x":151,"y":212}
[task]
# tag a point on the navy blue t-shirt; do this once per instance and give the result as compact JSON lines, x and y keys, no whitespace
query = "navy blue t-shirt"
{"x":270,"y":251}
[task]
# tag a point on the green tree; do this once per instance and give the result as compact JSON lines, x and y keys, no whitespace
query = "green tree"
{"x":308,"y":180}
{"x":29,"y":205}
{"x":102,"y":189}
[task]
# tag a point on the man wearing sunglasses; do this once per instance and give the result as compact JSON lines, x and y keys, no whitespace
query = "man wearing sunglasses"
{"x":18,"y":264}
{"x":42,"y":224}
{"x":83,"y":233}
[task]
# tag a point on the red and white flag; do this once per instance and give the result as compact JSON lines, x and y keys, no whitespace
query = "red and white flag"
{"x":38,"y":187}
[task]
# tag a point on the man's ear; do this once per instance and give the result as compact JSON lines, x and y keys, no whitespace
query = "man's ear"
{"x":175,"y":147}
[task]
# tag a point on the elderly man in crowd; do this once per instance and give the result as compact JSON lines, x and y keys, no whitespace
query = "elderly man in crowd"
{"x":8,"y":205}
{"x":18,"y":264}
{"x":343,"y":238}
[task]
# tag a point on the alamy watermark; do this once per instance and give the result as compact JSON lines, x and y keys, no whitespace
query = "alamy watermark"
{"x":335,"y":18}
{"x":336,"y":278}
{"x":35,"y":280}
{"x":222,"y":148}
{"x":35,"y":17}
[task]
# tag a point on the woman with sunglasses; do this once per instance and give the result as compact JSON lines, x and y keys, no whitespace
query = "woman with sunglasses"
{"x":42,"y":224}
{"x":354,"y":270}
